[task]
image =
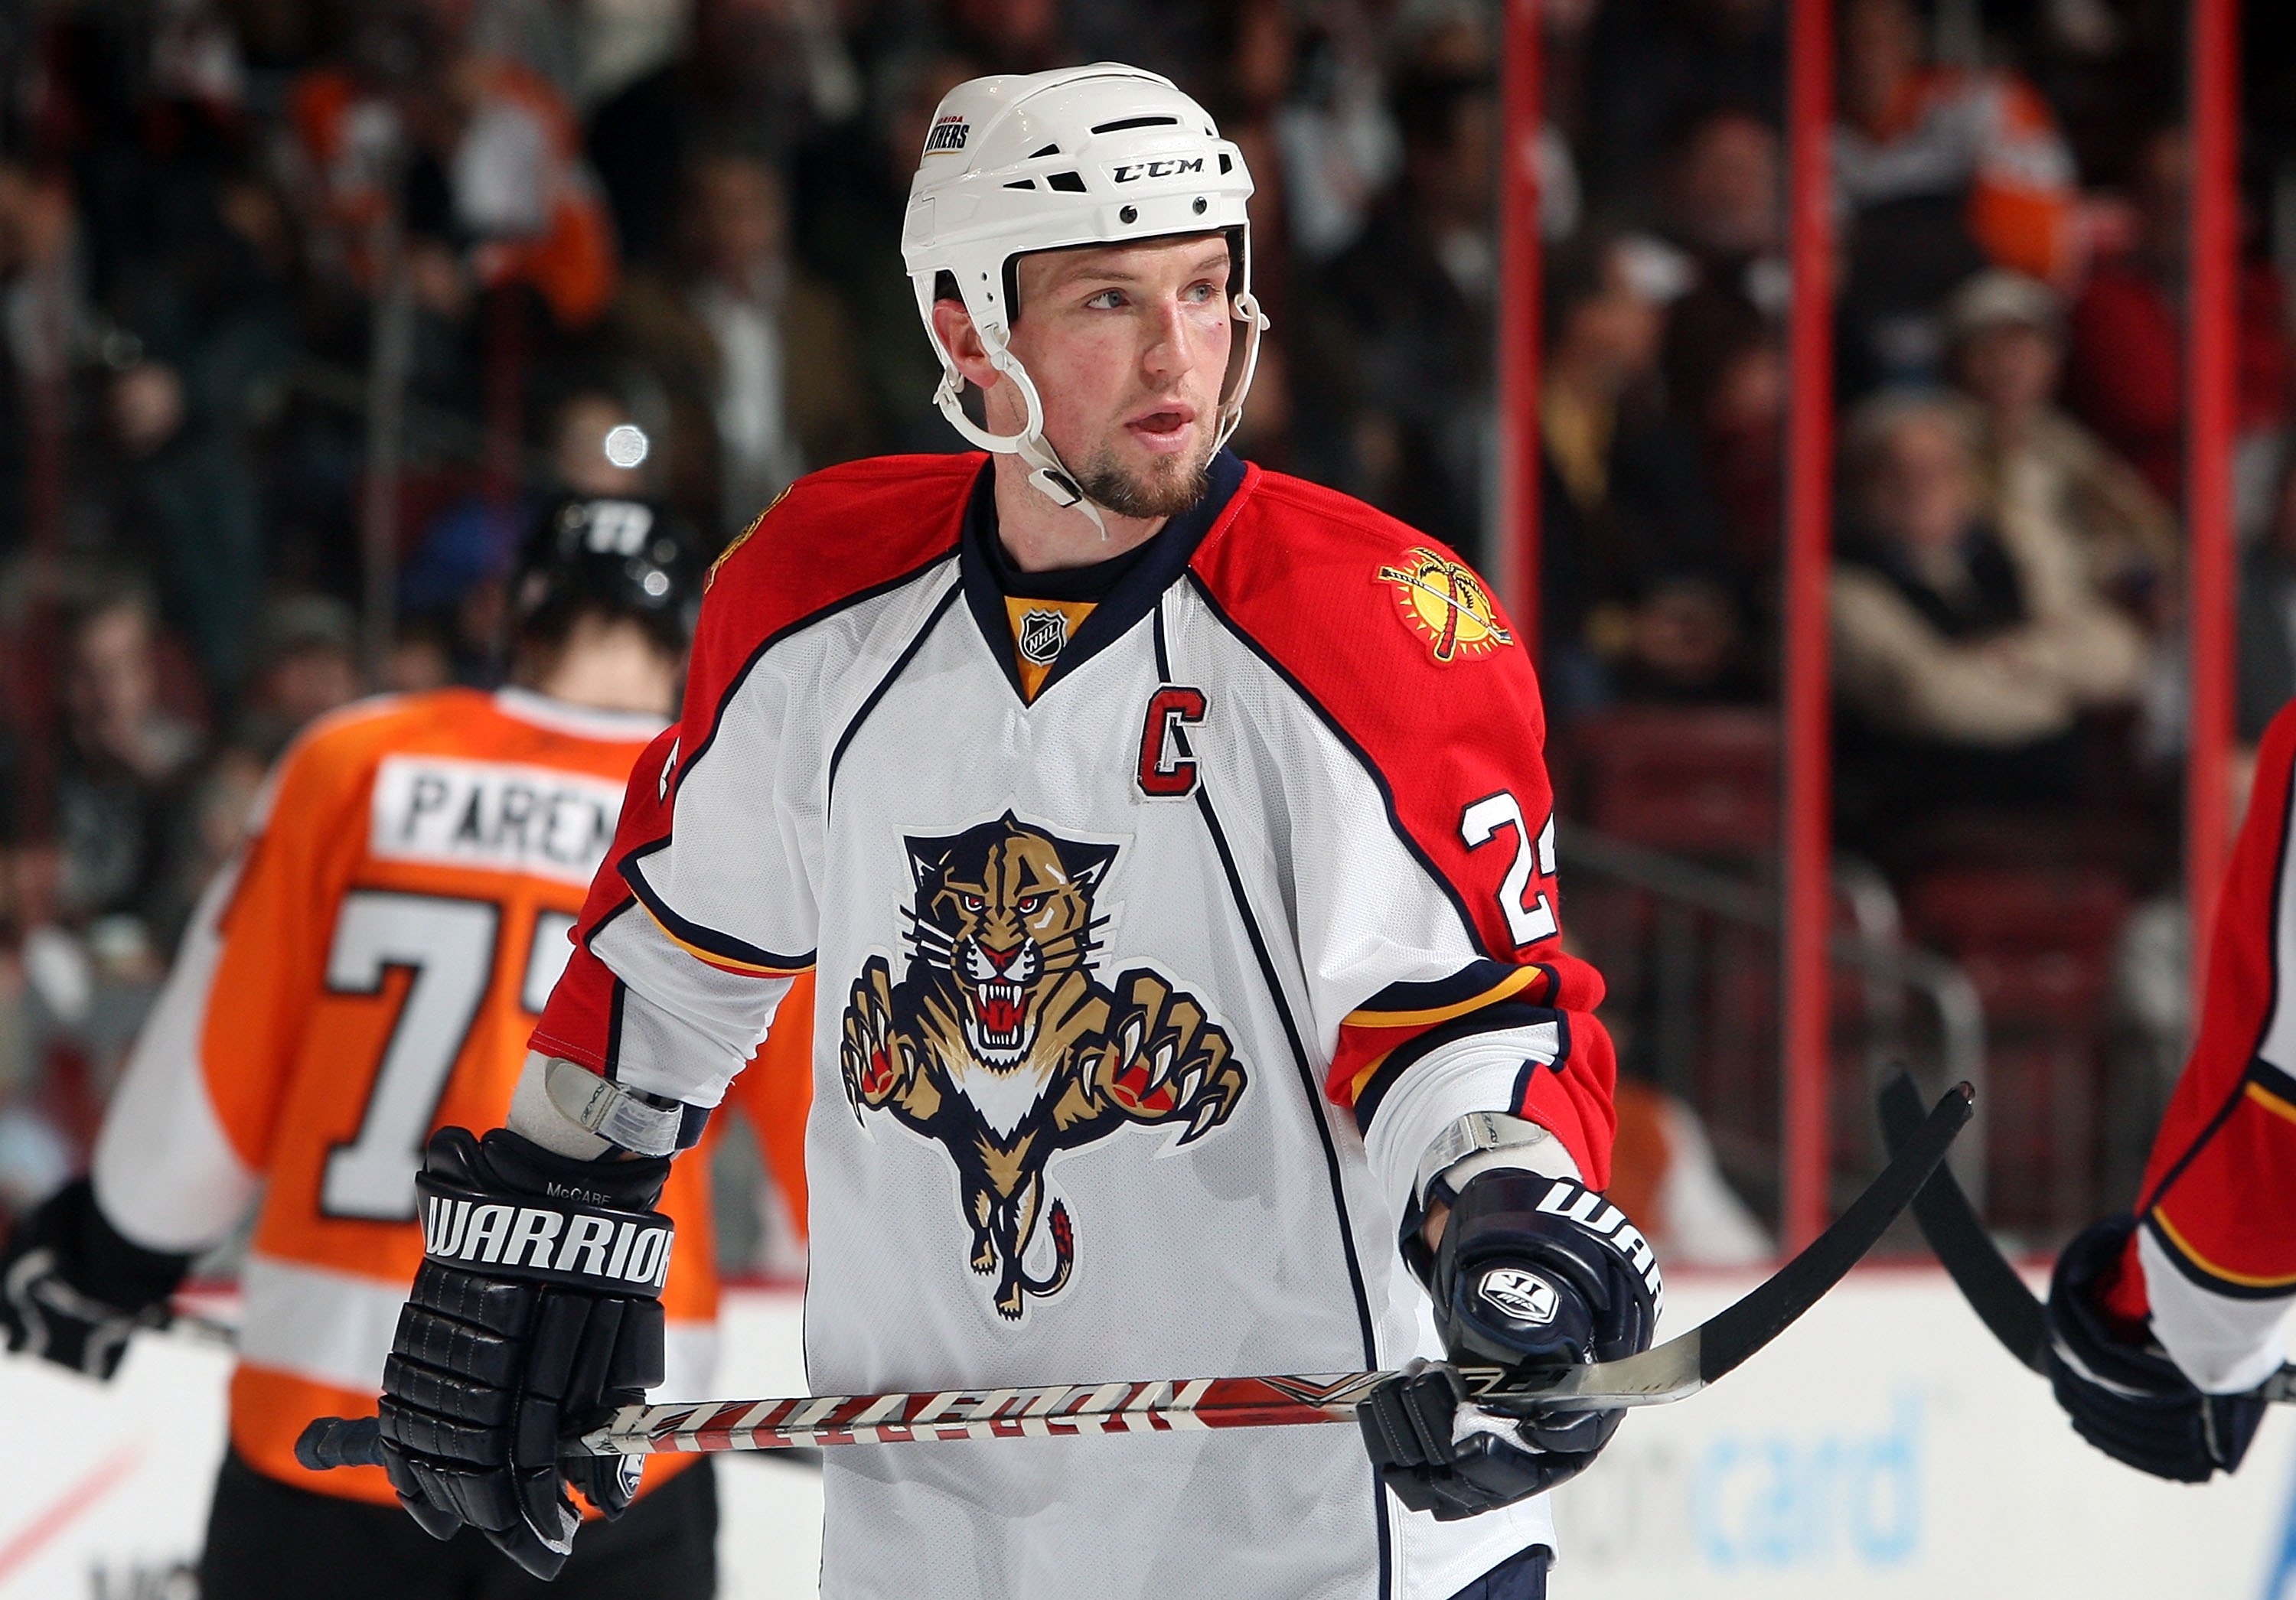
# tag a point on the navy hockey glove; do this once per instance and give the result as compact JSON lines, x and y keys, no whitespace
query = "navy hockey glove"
{"x":536,"y":1312}
{"x":72,"y":1289}
{"x":1534,"y":1275}
{"x":2126,"y":1397}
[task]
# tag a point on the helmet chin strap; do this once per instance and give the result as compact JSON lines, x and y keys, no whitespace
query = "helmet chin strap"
{"x":1242,"y":366}
{"x":1047,"y":475}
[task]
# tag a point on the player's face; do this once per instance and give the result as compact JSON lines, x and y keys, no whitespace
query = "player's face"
{"x":1128,"y":346}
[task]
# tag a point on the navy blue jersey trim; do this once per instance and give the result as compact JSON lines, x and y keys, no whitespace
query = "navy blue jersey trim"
{"x":1532,"y":1066}
{"x":1363,"y":759}
{"x":1475,"y":978}
{"x":1308,"y":1077}
{"x":1488,"y":1019}
{"x":688,"y":762}
{"x":2200,"y":1277}
{"x":2272,"y":1080}
{"x":1133,"y":597}
{"x":708,"y":941}
{"x":900,"y":665}
{"x":614,"y":1001}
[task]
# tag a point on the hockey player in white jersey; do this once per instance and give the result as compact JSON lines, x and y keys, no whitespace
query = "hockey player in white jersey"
{"x":1173,"y":844}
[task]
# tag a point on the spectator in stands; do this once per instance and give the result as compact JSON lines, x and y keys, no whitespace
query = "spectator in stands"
{"x":1966,"y":650}
{"x":1654,"y":65}
{"x":1337,"y":139}
{"x":470,"y":146}
{"x":1721,"y":210}
{"x":1727,"y":381}
{"x":1724,"y":378}
{"x":1944,"y":170}
{"x":852,"y":187}
{"x":2126,"y":370}
{"x":747,"y":76}
{"x":753,"y":349}
{"x":306,"y":665}
{"x":1632,"y":551}
{"x":1400,"y":373}
{"x":2007,"y":335}
{"x":123,"y":763}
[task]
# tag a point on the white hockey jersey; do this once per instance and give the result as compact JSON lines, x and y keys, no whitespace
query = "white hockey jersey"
{"x":1139,"y":999}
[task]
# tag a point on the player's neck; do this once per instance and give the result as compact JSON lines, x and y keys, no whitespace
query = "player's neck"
{"x":607,"y":666}
{"x":1040,"y":536}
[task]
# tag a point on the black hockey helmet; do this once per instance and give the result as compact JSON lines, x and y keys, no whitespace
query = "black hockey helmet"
{"x":614,"y":557}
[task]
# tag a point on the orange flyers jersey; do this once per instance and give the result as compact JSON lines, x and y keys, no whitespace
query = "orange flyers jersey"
{"x":364,"y":971}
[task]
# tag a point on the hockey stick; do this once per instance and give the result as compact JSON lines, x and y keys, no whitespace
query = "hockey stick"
{"x":196,"y":1329}
{"x":1975,"y":1264}
{"x":1680,"y":1367}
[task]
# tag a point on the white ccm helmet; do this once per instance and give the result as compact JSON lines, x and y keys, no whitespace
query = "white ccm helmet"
{"x":1104,"y":154}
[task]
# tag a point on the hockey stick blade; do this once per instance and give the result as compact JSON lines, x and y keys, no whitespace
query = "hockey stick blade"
{"x":1678,"y":1368}
{"x":1975,"y":1264}
{"x":1967,"y":1251}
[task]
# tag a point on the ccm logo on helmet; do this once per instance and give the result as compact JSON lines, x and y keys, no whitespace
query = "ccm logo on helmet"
{"x":1132,"y":172}
{"x":949,"y":134}
{"x":618,"y":1252}
{"x":1596,"y":1215}
{"x":1524,"y":1296}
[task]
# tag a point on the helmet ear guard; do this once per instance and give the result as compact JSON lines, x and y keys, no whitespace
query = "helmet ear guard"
{"x":1106,"y":154}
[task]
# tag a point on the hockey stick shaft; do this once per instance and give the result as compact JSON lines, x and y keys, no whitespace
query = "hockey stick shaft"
{"x":1676,"y":1369}
{"x":1984,"y":1275}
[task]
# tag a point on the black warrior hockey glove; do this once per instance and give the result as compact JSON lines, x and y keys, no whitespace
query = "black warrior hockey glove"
{"x":2127,"y":1398}
{"x":73,"y":1290}
{"x":536,"y":1313}
{"x":1535,"y":1275}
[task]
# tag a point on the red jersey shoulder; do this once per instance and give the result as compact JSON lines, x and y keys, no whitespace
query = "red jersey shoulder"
{"x":1398,"y":646}
{"x":833,"y":536}
{"x":1330,"y":585}
{"x":1308,"y":563}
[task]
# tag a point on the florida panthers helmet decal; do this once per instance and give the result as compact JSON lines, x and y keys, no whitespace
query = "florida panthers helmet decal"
{"x":1446,"y":604}
{"x":1001,"y":1043}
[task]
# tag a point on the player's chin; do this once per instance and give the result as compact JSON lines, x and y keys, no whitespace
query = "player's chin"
{"x":1134,"y":483}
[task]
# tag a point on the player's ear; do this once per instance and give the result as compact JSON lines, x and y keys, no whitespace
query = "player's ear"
{"x":953,"y":327}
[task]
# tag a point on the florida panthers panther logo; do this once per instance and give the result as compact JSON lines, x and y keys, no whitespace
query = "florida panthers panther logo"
{"x":1001,"y":1043}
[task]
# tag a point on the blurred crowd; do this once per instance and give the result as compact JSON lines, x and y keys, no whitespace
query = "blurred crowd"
{"x":247,"y":245}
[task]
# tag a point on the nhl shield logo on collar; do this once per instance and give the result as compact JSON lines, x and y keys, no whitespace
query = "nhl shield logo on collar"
{"x":1446,"y":604}
{"x":1041,"y":636}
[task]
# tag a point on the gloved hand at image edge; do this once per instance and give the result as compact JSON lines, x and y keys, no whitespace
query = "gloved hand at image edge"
{"x":73,"y":1289}
{"x":1532,"y":1274}
{"x":536,"y":1313}
{"x":2123,"y":1393}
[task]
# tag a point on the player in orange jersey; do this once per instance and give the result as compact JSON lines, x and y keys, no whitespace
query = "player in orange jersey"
{"x":367,"y":971}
